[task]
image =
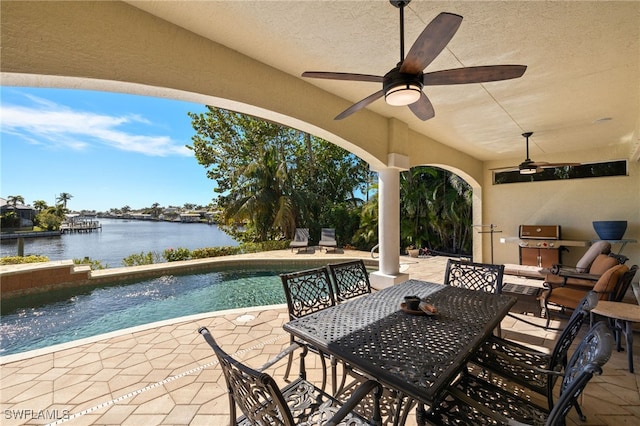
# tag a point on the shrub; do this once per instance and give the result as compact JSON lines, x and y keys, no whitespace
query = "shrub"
{"x":202,"y":253}
{"x":142,"y":259}
{"x":48,"y":221}
{"x":264,"y":246}
{"x":173,"y":255}
{"x":95,"y":264}
{"x":16,"y":260}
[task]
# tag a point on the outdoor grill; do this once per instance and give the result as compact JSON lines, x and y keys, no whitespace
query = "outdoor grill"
{"x":542,"y":246}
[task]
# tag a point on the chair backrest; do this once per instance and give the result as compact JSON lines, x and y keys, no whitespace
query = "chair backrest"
{"x":587,"y":259}
{"x":351,"y":279}
{"x":301,"y":235}
{"x":256,"y":393}
{"x":602,"y":263}
{"x":328,"y":234}
{"x":307,"y":291}
{"x":474,"y":276}
{"x":568,"y":335}
{"x":593,"y":352}
{"x":623,"y":284}
{"x":609,"y":280}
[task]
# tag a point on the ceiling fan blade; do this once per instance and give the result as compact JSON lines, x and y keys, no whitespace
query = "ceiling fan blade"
{"x":514,"y":168}
{"x":480,"y":74}
{"x":342,"y":76}
{"x":422,"y":108}
{"x":551,"y":165}
{"x":431,"y":42}
{"x":539,"y":164}
{"x":358,"y":106}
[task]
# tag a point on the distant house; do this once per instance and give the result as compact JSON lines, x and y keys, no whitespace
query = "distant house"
{"x":189,"y":217}
{"x":141,"y":216}
{"x":26,"y":213}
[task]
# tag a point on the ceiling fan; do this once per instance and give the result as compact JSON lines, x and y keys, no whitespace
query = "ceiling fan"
{"x":403,"y":84}
{"x":530,"y":167}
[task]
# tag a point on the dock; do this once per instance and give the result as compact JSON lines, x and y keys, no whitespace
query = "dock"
{"x":80,"y":226}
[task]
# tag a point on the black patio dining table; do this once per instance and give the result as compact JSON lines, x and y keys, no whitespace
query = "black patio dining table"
{"x":417,"y":355}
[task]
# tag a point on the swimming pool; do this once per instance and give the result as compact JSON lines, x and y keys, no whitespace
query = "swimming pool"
{"x":61,"y":316}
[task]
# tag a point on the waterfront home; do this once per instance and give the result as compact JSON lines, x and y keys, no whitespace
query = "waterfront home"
{"x":189,"y":217}
{"x":26,"y":213}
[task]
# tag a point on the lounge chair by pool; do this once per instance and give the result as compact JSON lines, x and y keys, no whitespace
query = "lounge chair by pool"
{"x":300,"y":239}
{"x":328,"y":239}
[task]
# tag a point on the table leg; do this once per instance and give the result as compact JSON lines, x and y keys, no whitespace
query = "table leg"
{"x":619,"y":329}
{"x":628,"y":334}
{"x":421,"y":415}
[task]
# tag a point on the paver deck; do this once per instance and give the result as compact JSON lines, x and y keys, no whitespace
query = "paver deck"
{"x":165,"y":374}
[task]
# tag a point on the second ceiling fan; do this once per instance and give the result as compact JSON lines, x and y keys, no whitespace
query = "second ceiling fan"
{"x":530,"y":167}
{"x":403,"y":84}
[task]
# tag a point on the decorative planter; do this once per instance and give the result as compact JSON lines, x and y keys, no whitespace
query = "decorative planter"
{"x":413,"y":252}
{"x":610,"y":229}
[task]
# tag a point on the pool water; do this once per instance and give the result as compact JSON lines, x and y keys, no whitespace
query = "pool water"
{"x":39,"y":321}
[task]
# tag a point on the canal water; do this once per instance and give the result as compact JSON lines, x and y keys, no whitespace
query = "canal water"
{"x":120,"y":238}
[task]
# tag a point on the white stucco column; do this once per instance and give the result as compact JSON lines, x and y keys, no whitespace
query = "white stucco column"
{"x":389,"y":223}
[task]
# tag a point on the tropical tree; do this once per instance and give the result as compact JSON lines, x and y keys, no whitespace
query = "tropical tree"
{"x":155,"y":209}
{"x":63,"y":198}
{"x":49,"y":219}
{"x":15,"y":199}
{"x":366,"y":237}
{"x":40,"y":205}
{"x":271,"y":178}
{"x":435,"y":210}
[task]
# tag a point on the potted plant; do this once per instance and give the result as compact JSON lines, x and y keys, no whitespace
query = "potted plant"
{"x":413,"y":251}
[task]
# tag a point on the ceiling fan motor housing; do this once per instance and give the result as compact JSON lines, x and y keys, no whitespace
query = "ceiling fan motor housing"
{"x":396,"y":81}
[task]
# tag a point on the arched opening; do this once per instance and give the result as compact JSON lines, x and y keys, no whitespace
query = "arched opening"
{"x":447,"y":207}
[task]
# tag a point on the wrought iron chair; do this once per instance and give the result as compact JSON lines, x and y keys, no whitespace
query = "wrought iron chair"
{"x":527,"y":367}
{"x":474,"y":276}
{"x":307,"y":292}
{"x":612,"y":285}
{"x":351,"y":279}
{"x":473,"y":401}
{"x":485,"y":277}
{"x":262,"y":402}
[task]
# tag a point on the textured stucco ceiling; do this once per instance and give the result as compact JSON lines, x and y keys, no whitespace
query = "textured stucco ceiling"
{"x":583,"y":63}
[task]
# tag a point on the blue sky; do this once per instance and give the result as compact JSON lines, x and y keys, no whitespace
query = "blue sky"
{"x":107,"y":150}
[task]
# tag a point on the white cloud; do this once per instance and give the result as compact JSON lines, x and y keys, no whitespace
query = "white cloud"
{"x":58,"y":126}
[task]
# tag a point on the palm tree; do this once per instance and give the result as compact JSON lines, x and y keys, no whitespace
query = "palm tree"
{"x":63,"y":198}
{"x":435,"y":210}
{"x":259,"y":199}
{"x":40,"y":205}
{"x":155,"y":209}
{"x":15,"y":199}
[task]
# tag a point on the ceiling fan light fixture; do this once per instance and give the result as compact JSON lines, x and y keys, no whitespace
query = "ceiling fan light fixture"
{"x":528,"y":170}
{"x":403,"y":94}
